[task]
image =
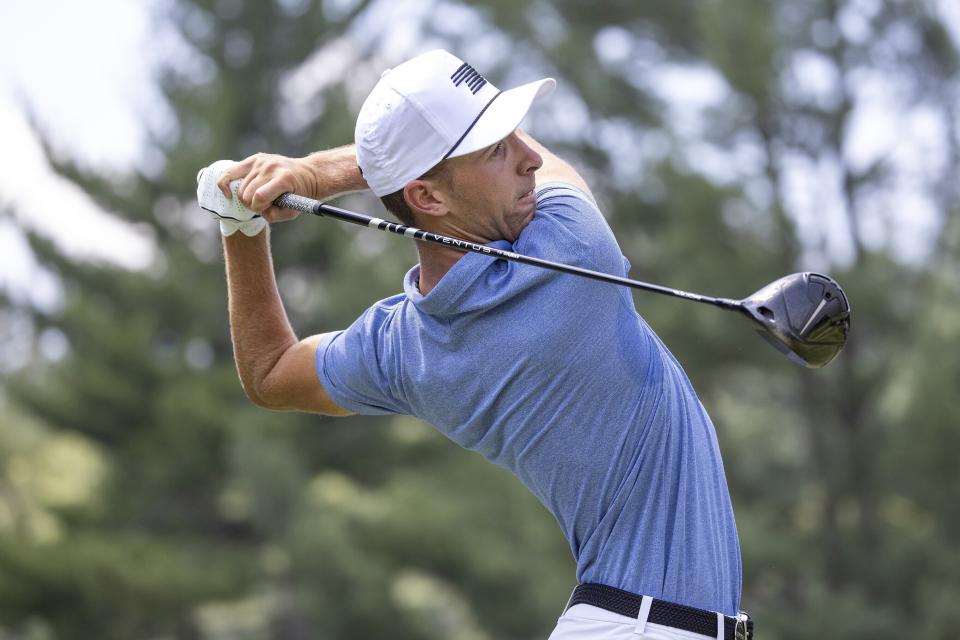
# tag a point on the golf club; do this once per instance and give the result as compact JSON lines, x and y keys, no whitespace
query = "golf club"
{"x":805,"y":316}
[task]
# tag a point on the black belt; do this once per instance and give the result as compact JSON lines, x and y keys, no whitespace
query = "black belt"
{"x":668,"y":614}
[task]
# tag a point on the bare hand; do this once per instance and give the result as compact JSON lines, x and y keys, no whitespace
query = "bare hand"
{"x":263,"y":178}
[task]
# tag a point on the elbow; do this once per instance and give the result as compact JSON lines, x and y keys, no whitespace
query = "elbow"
{"x":291,"y":384}
{"x":278,"y":398}
{"x":263,"y":404}
{"x":261,"y":397}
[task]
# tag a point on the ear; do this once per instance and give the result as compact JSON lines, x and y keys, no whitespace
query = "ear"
{"x":426,"y":197}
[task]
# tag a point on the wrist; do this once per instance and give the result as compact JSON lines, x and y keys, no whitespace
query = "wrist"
{"x":309,"y":177}
{"x":240,"y":242}
{"x":333,"y":172}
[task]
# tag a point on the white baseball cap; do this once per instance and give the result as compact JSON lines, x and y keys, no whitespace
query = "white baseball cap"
{"x":432,"y":107}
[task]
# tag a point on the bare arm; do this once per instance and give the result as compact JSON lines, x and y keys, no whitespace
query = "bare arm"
{"x":554,"y":169}
{"x":276,"y":369}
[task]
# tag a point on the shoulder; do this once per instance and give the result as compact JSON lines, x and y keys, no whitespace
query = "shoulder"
{"x":378,"y":318}
{"x":358,"y":366}
{"x":366,"y":334}
{"x":568,"y":223}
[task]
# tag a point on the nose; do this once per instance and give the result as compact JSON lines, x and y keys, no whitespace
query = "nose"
{"x":530,"y":160}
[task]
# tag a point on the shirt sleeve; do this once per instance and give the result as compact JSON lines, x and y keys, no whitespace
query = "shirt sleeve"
{"x":355,"y":366}
{"x":550,"y":190}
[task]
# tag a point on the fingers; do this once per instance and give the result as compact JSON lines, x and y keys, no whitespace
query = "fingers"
{"x":248,"y":190}
{"x":234,"y":172}
{"x":262,"y":190}
{"x":260,"y":173}
{"x":263,"y":177}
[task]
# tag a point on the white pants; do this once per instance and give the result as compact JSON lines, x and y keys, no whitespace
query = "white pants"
{"x":586,"y":622}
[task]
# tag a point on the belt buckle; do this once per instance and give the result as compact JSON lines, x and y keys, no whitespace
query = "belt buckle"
{"x":742,"y":629}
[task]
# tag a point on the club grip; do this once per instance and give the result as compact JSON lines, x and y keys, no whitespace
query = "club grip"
{"x":298,"y":203}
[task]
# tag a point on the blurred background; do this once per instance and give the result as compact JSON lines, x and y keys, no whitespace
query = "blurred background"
{"x":730,"y":142}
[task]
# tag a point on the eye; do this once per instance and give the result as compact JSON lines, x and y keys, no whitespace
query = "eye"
{"x":498,"y":149}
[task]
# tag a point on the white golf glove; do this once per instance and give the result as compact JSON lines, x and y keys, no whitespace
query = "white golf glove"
{"x":232,"y":214}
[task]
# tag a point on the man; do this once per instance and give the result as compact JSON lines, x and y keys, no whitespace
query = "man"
{"x":554,"y":377}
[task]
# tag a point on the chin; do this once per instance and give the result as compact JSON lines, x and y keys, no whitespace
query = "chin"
{"x":521,"y":225}
{"x":528,"y":217}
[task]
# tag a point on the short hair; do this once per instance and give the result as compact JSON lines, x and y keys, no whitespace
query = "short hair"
{"x":396,"y":204}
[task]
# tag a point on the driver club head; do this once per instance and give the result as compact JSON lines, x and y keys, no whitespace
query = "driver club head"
{"x":805,"y":315}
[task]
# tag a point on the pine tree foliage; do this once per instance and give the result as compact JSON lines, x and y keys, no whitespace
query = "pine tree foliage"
{"x":142,"y":496}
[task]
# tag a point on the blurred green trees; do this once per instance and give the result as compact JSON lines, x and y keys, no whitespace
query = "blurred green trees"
{"x":729,"y":142}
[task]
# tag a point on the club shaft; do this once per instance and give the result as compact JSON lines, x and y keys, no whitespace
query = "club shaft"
{"x":315,"y":207}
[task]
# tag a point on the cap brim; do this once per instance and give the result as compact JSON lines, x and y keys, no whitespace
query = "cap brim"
{"x":503,"y":115}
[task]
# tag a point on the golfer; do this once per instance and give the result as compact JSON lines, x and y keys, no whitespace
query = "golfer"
{"x":556,"y":378}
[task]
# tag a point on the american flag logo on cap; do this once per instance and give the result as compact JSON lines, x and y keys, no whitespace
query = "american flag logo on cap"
{"x":466,"y":73}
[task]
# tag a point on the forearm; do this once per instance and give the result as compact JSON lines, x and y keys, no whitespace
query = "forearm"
{"x":334,"y":172}
{"x":259,"y":327}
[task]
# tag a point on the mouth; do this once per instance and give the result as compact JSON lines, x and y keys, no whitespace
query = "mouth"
{"x":529,"y":196}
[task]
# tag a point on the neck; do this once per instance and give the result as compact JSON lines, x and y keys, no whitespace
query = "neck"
{"x":435,"y":261}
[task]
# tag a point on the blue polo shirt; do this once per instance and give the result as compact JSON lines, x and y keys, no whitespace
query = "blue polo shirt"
{"x":558,"y":379}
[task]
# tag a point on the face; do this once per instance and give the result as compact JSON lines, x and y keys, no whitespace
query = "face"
{"x":488,"y":195}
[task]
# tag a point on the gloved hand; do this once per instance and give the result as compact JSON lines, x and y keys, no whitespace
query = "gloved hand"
{"x":231,"y":213}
